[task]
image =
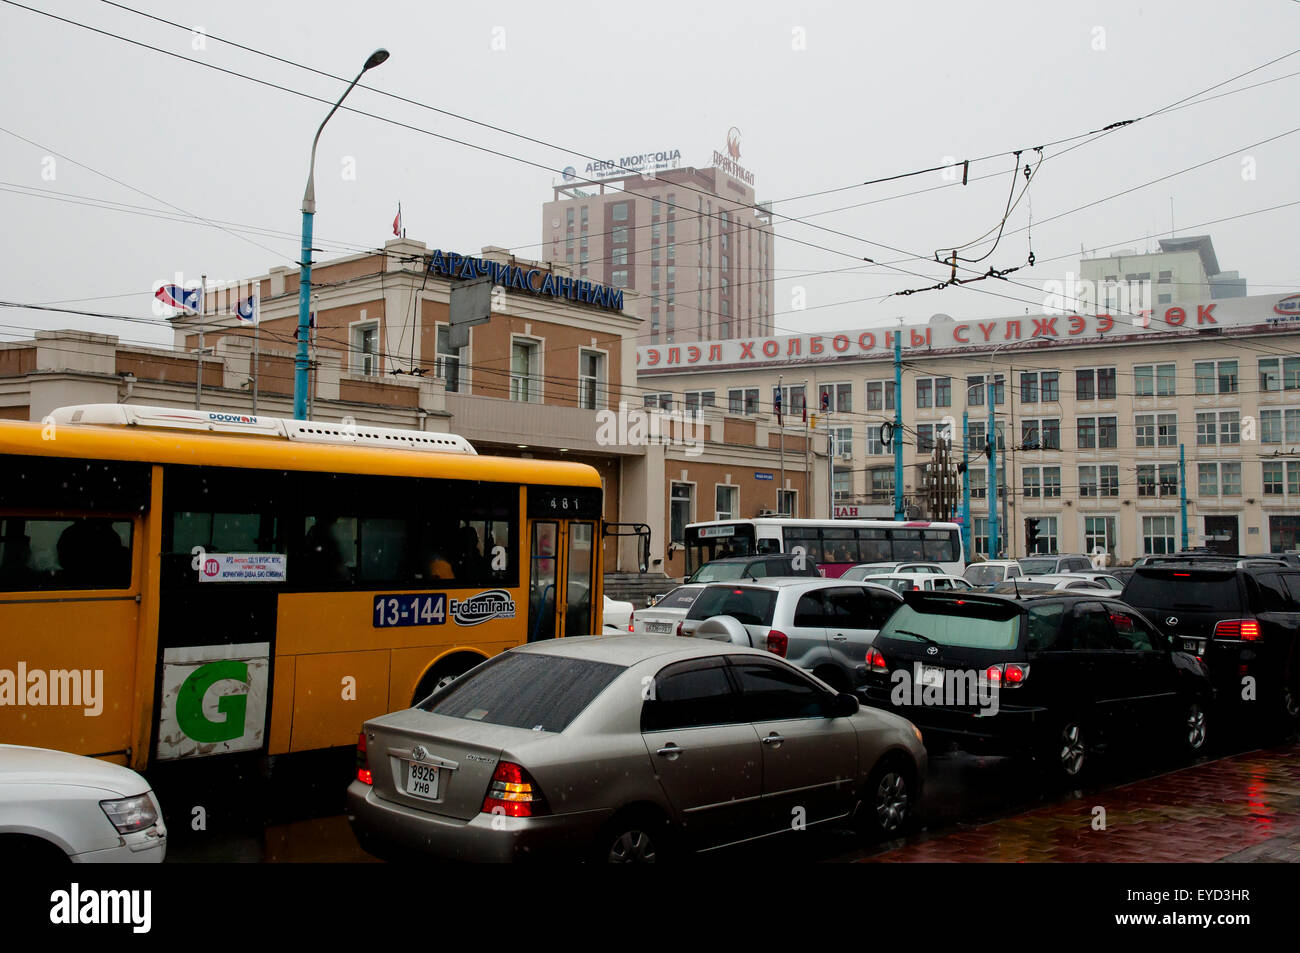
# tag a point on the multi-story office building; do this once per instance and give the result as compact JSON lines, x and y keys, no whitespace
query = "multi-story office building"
{"x":689,"y":241}
{"x":1093,"y":415}
{"x":1184,"y":269}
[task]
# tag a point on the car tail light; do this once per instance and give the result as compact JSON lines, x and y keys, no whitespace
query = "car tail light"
{"x":679,"y":628}
{"x":778,"y":642}
{"x":1014,"y":674}
{"x":876,"y":661}
{"x":994,"y":674}
{"x":513,"y":793}
{"x":364,"y":774}
{"x":1246,"y":629}
{"x":631,"y":622}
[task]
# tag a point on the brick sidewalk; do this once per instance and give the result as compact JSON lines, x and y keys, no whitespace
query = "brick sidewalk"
{"x":1243,"y":808}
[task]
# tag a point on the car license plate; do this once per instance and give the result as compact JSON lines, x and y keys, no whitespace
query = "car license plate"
{"x":662,"y":628}
{"x":422,"y":780}
{"x":931,"y":675}
{"x":1195,"y":646}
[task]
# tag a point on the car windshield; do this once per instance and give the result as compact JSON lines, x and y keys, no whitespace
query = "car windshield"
{"x":956,"y":622}
{"x":680,"y":598}
{"x":873,"y":571}
{"x":1181,"y":590}
{"x":723,"y":572}
{"x":747,"y":605}
{"x":982,"y":575}
{"x":1033,"y":567}
{"x":520,"y":690}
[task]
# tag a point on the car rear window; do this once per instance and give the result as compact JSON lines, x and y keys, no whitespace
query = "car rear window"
{"x":983,"y":575}
{"x":956,"y":622}
{"x":679,"y":598}
{"x":748,"y":606}
{"x":719,"y":572}
{"x":1170,"y":589}
{"x":517,"y":690}
{"x":1034,"y":567}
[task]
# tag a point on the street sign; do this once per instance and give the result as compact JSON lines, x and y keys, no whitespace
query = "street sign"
{"x":470,"y":304}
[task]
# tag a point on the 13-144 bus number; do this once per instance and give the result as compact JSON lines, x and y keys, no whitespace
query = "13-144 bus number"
{"x":410,"y":609}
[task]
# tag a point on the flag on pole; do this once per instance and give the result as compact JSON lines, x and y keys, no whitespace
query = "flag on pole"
{"x":397,"y":222}
{"x":246,"y":310}
{"x":183,"y":299}
{"x":776,"y":404}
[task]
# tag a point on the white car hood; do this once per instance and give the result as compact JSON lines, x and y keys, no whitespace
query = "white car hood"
{"x":21,"y":765}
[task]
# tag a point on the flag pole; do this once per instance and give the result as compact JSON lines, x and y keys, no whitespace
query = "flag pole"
{"x":257,"y":333}
{"x":198,"y":377}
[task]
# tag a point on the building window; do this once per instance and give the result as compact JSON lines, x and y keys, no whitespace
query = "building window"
{"x":661,"y":401}
{"x":1146,"y":479}
{"x":924,"y":438}
{"x":618,"y":278}
{"x":1094,"y":383}
{"x":836,"y":397}
{"x":1051,"y":482}
{"x":1270,"y":380}
{"x":1087,"y":481}
{"x":680,"y":510}
{"x":742,"y":401}
{"x":1157,"y":535}
{"x":1167,"y":430}
{"x":842,"y":441}
{"x":1168,"y":479}
{"x":1108,"y":477}
{"x":1216,"y":377}
{"x":1044,"y":434}
{"x":1230,"y":479}
{"x":1047,"y":534}
{"x":726,"y":502}
{"x":1149,"y":433}
{"x":1029,"y":387}
{"x":1032,"y":482}
{"x":1144,"y":430}
{"x":365,"y":349}
{"x":874,"y":446}
{"x":924,"y":392}
{"x":841,"y":482}
{"x":619,"y":257}
{"x":591,"y":373}
{"x":975,"y":391}
{"x":1207,"y":430}
{"x":980,"y":535}
{"x":1207,"y":479}
{"x":880,"y":395}
{"x":1154,"y":380}
{"x":1107,"y":432}
{"x":787,"y":502}
{"x":447,"y":362}
{"x":620,"y":212}
{"x":525,"y":371}
{"x":697,"y":400}
{"x":1086,"y":428}
{"x":979,"y":484}
{"x":1098,"y":535}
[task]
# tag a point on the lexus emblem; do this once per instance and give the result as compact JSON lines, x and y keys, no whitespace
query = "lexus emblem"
{"x":1172,"y":620}
{"x":932,"y":650}
{"x":419,"y":753}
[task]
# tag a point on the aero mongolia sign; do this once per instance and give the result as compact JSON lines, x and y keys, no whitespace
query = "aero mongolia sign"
{"x":1164,"y":322}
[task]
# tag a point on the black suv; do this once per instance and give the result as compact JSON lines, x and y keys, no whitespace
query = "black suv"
{"x":1241,"y":615}
{"x":733,"y":568}
{"x":1052,"y":675}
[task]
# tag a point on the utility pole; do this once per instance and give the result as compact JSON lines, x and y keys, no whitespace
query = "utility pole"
{"x":203,"y":313}
{"x":965,"y":482}
{"x":993,"y":475}
{"x":1182,"y":490}
{"x":900,"y":513}
{"x":807,"y":449}
{"x":780,"y":422}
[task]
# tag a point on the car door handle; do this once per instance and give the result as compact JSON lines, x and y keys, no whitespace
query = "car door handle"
{"x":669,"y":751}
{"x":774,"y":740}
{"x":840,"y":637}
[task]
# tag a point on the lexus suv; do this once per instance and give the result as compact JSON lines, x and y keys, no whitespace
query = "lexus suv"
{"x":1056,"y":675}
{"x":1242,"y":616}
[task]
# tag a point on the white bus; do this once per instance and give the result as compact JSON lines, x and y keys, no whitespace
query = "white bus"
{"x":834,"y":545}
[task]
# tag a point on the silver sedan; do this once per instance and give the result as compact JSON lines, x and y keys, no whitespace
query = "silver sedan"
{"x":628,"y":748}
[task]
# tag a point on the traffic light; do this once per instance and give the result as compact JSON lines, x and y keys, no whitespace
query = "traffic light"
{"x":1031,"y":535}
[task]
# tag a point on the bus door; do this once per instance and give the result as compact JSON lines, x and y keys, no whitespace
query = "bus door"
{"x":563,"y":564}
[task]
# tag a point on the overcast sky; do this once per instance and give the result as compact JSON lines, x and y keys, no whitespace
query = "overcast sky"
{"x":826,"y":95}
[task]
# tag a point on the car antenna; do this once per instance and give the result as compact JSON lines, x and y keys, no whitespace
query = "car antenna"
{"x":1016,"y":582}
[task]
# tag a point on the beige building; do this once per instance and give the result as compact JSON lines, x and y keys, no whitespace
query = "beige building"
{"x":1091,"y":414}
{"x":1184,"y":269}
{"x":687,"y":240}
{"x":550,"y":376}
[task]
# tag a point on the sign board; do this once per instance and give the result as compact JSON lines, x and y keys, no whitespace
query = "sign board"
{"x":213,"y":700}
{"x":714,"y":532}
{"x":243,"y":567}
{"x":763,"y":476}
{"x":468,"y":305}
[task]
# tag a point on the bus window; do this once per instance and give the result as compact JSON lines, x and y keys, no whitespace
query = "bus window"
{"x":875,"y":546}
{"x":840,"y":545}
{"x":807,"y":538}
{"x":908,"y":545}
{"x":940,"y":545}
{"x":767,"y":544}
{"x":79,"y":553}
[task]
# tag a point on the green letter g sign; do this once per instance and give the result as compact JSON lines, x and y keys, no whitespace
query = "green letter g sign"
{"x":189,"y":702}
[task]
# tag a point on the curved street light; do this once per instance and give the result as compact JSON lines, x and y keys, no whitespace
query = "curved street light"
{"x":304,"y":265}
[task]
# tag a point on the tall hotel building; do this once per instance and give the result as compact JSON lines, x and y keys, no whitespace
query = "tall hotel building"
{"x":689,"y":241}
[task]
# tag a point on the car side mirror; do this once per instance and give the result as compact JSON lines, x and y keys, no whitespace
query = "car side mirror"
{"x":842,"y":705}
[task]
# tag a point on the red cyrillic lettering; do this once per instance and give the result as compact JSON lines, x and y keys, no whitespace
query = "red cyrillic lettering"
{"x":746,"y":349}
{"x":792,"y":346}
{"x":653,"y":357}
{"x":1104,"y":323}
{"x":1142,"y":319}
{"x":1077,"y":324}
{"x":1044,"y":326}
{"x":988,"y":329}
{"x":1007,"y":335}
{"x":864,"y":338}
{"x":1175,"y":316}
{"x":958,"y":331}
{"x":715,"y":352}
{"x":836,"y":342}
{"x":919,"y":340}
{"x":674,"y":355}
{"x":1205,"y":313}
{"x":815,"y":345}
{"x":775,"y":349}
{"x":692,"y":354}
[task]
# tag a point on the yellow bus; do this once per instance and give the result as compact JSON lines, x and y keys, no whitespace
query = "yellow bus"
{"x":176,"y":584}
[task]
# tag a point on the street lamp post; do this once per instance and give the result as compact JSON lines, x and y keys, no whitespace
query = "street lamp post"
{"x":304,"y":266}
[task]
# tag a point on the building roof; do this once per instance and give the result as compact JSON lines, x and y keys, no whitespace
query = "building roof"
{"x":1201,"y":244}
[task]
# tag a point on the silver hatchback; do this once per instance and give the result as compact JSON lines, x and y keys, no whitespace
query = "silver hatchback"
{"x":824,"y":626}
{"x":627,"y":748}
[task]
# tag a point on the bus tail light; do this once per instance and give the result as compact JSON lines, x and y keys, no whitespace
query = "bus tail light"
{"x":513,"y":793}
{"x":1245,"y":629}
{"x":778,"y":642}
{"x":364,"y":774}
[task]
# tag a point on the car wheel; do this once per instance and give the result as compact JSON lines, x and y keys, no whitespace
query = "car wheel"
{"x":1065,"y":752}
{"x":887,"y":805}
{"x":1193,"y":728}
{"x":635,"y":837}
